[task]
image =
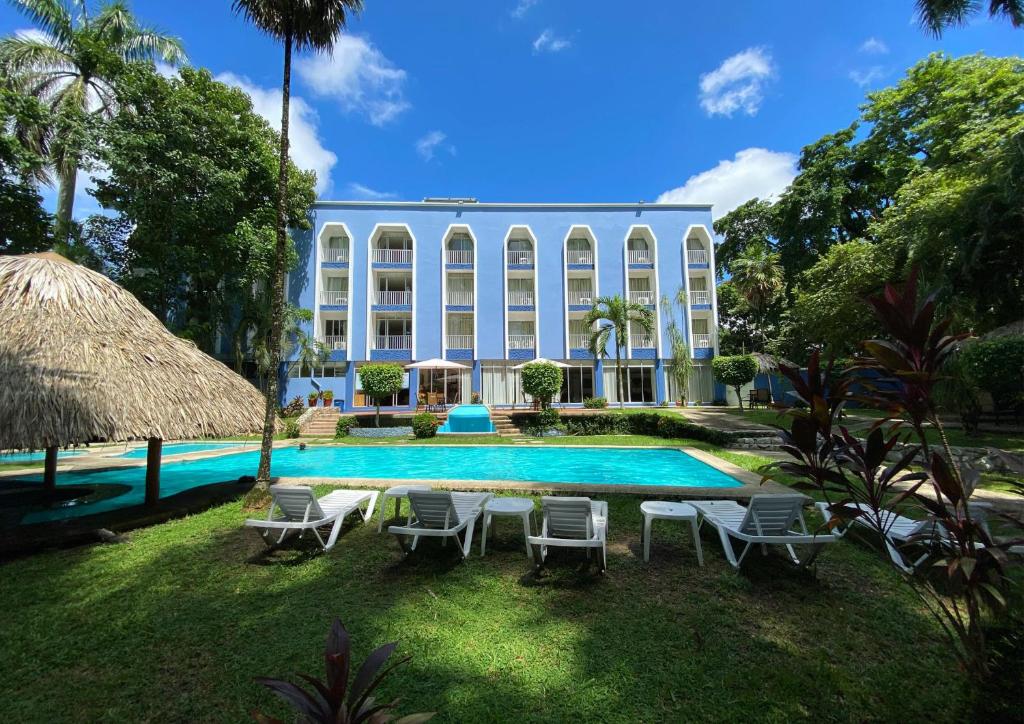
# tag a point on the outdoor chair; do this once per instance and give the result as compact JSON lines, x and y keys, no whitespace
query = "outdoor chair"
{"x":572,"y":523}
{"x":441,"y":514}
{"x":298,"y":511}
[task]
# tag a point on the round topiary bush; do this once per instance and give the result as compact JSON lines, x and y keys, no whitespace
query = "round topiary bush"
{"x":379,"y":381}
{"x":735,"y":371}
{"x":542,"y":380}
{"x":997,"y":366}
{"x":425,"y":425}
{"x":344,"y":424}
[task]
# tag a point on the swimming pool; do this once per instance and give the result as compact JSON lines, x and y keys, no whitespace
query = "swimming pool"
{"x":181,"y":448}
{"x":607,"y":466}
{"x":35,"y":456}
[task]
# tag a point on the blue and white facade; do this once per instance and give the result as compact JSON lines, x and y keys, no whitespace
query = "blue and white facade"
{"x":492,"y":285}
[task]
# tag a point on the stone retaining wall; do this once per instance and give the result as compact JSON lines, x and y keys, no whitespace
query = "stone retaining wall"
{"x":380,"y":432}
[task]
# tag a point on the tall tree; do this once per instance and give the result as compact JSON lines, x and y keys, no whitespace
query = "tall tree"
{"x":937,"y":15}
{"x":681,"y":359}
{"x":758,"y":276}
{"x":71,"y":66}
{"x":613,"y":317}
{"x":24,"y":225}
{"x":298,"y":24}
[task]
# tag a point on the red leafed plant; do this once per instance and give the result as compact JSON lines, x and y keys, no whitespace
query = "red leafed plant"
{"x":962,"y":577}
{"x":335,"y":701}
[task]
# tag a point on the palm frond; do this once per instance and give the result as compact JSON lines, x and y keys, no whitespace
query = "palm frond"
{"x":51,"y":16}
{"x":148,"y":44}
{"x":936,"y":15}
{"x":312,"y":24}
{"x":25,"y":54}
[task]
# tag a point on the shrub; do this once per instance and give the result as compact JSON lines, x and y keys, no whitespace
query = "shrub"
{"x":291,"y":428}
{"x":293,"y":408}
{"x":542,"y":380}
{"x":641,"y":423}
{"x":328,"y":396}
{"x":595,"y":403}
{"x":345,"y":423}
{"x":735,"y":372}
{"x":424,"y":425}
{"x":380,"y":380}
{"x":997,"y":366}
{"x":475,"y":397}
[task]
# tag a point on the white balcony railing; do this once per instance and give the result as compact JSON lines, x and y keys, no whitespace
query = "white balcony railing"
{"x":334,"y":298}
{"x":334,"y":341}
{"x":696,"y":256}
{"x":460,"y":299}
{"x":394,"y":299}
{"x":581,"y":299}
{"x":641,"y":341}
{"x":335,"y":255}
{"x":579,"y":341}
{"x":459,"y":256}
{"x":697,"y":298}
{"x":520,"y":299}
{"x":645,"y":297}
{"x":520,"y":341}
{"x":639,"y":256}
{"x":460,"y":341}
{"x":579,"y":256}
{"x":393,"y":341}
{"x":520,"y":257}
{"x":702,"y":341}
{"x":392,"y":256}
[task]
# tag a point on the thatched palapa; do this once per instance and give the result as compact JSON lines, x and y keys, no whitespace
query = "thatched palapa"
{"x":81,"y":359}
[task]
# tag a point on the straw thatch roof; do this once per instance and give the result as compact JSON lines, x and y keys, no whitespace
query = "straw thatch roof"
{"x":81,"y":359}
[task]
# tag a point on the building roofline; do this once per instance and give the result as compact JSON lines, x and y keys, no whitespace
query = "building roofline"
{"x":456,"y":204}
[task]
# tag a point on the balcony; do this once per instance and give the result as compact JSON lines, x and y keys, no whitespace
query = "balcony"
{"x":581,"y":299}
{"x":335,"y":255}
{"x":577,"y":256}
{"x":334,"y":342}
{"x":696,"y":256}
{"x":337,"y":299}
{"x":393,"y":341}
{"x":392,"y":256}
{"x":702,"y":341}
{"x":459,"y":257}
{"x":700,"y":298}
{"x":579,"y":341}
{"x":641,"y":341}
{"x":459,"y":341}
{"x":521,"y":341}
{"x":645,"y":297}
{"x":520,"y":257}
{"x":394,"y":299}
{"x":639,"y":256}
{"x":460,"y":299}
{"x":520,"y":299}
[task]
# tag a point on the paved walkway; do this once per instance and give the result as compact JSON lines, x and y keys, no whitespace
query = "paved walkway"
{"x":719,"y":419}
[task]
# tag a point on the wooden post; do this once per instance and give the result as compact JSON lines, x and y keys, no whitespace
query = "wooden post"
{"x":50,"y":470}
{"x":153,"y":471}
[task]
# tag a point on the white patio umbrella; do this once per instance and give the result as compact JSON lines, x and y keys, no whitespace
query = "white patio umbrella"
{"x":542,"y":360}
{"x":436,"y":364}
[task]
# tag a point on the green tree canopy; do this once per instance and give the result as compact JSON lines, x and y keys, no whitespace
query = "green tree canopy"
{"x":380,"y":380}
{"x":24,"y":225}
{"x":542,"y":380}
{"x":735,"y":372}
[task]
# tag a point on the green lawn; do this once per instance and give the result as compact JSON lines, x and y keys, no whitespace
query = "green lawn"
{"x":173,"y":625}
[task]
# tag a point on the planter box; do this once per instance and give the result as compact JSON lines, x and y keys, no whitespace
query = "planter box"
{"x":379,"y":432}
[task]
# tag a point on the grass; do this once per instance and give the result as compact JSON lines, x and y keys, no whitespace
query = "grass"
{"x":174,"y":624}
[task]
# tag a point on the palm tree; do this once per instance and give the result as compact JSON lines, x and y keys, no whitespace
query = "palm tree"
{"x":70,"y":65}
{"x":757,"y":274}
{"x":937,"y":15}
{"x":679,"y":351}
{"x":298,"y":24}
{"x":614,"y":315}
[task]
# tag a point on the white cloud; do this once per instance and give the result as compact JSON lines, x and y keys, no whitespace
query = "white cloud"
{"x":754,"y":172}
{"x":358,"y":191}
{"x":357,"y":75}
{"x":548,"y":42}
{"x":306,"y":148}
{"x":867,"y":77}
{"x":874,"y":46}
{"x":166,"y":69}
{"x":522,"y":7}
{"x":737,"y":84}
{"x":427,"y":146}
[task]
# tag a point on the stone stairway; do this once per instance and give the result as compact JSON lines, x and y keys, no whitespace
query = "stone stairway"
{"x":321,"y":424}
{"x":503,"y":424}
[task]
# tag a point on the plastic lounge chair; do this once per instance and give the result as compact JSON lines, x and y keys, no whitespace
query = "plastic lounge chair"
{"x":300,"y":511}
{"x":572,"y":523}
{"x":768,"y":520}
{"x":899,"y":532}
{"x":442,"y":515}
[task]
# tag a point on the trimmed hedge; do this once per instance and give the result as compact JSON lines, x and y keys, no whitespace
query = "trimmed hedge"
{"x":641,"y":423}
{"x":425,"y":425}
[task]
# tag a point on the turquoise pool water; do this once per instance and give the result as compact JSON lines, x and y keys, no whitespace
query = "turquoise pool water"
{"x":36,"y":456}
{"x":612,"y":466}
{"x":180,"y":448}
{"x":468,"y":418}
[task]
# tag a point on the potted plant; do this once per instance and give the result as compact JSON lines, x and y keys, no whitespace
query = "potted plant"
{"x":328,"y":398}
{"x":475,"y":397}
{"x":313,"y":397}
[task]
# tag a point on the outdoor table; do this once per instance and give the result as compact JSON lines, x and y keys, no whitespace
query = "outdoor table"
{"x":660,"y":509}
{"x":515,"y":507}
{"x":397,"y":492}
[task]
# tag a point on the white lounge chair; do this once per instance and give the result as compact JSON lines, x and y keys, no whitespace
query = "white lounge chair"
{"x":572,"y":523}
{"x":300,"y":511}
{"x":899,"y":532}
{"x":441,"y":514}
{"x":767,"y":520}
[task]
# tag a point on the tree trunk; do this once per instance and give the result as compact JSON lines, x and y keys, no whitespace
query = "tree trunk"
{"x":277,"y":282}
{"x":153,"y":471}
{"x":66,"y":202}
{"x":739,"y":397}
{"x":618,"y":373}
{"x":50,"y":470}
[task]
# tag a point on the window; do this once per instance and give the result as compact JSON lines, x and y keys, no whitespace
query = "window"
{"x":500,"y":384}
{"x":637,"y":244}
{"x":399,"y":399}
{"x":578,"y":385}
{"x":299,"y":370}
{"x":335,"y":284}
{"x":637,"y":383}
{"x":334,"y":327}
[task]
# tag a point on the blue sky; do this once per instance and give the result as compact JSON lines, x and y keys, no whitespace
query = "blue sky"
{"x":565,"y":100}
